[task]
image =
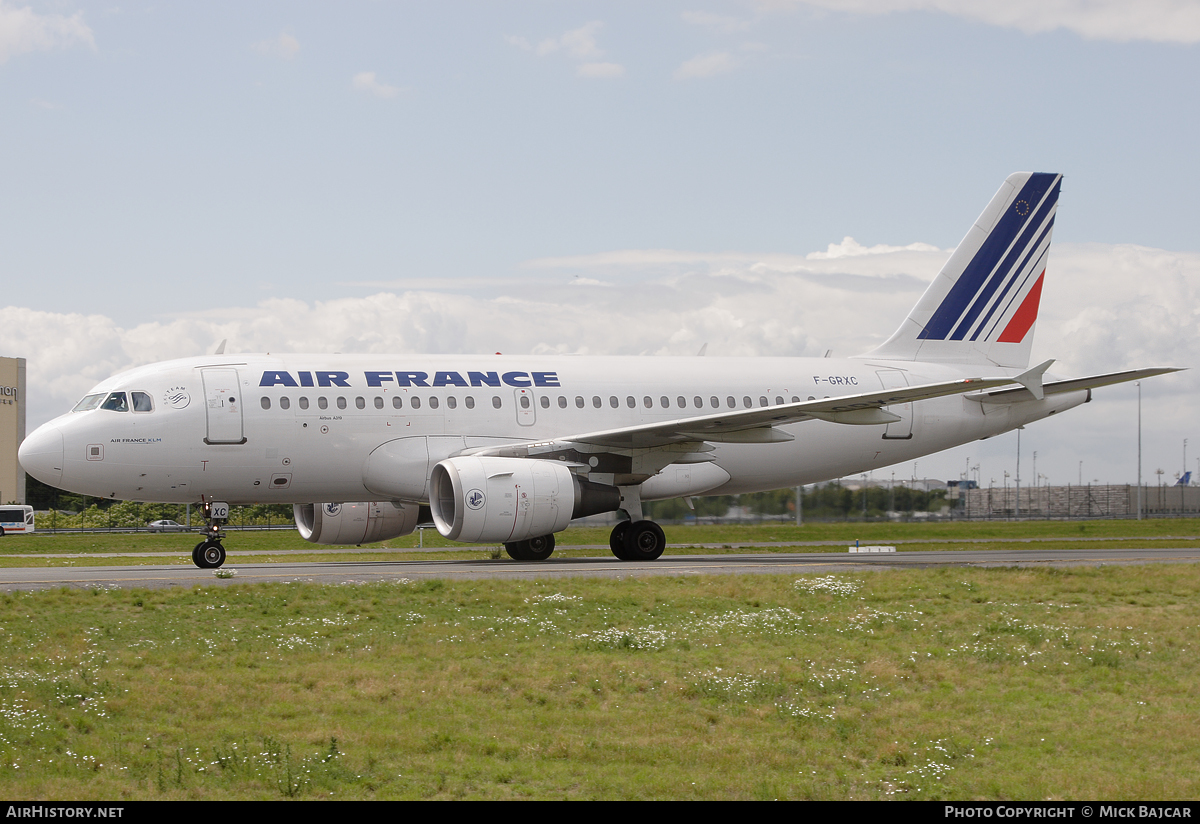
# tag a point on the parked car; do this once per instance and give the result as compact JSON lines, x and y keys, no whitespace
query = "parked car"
{"x":166,"y":526}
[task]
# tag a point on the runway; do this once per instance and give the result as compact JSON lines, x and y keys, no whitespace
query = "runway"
{"x":178,"y":575}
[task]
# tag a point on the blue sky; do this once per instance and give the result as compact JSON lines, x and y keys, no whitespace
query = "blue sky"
{"x":273,"y":173}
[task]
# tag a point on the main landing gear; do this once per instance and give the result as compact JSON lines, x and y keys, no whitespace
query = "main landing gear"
{"x":637,"y":541}
{"x":209,"y":554}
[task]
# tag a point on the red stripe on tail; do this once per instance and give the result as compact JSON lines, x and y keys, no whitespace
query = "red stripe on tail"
{"x":1025,"y":316}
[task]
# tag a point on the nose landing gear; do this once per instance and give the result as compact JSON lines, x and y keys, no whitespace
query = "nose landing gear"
{"x":209,"y":554}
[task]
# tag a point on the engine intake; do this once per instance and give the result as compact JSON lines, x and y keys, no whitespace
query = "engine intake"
{"x":511,"y":499}
{"x":363,"y":522}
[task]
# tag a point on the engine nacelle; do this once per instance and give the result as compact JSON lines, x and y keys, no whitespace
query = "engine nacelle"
{"x":511,"y":499}
{"x":364,"y":522}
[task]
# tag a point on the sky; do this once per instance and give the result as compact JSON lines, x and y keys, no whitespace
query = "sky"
{"x":767,"y":177}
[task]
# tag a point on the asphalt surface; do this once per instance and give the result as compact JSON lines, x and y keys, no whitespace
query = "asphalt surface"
{"x":332,"y":572}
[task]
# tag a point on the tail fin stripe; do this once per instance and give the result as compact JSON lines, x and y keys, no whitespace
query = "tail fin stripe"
{"x":1023,"y":320}
{"x":1020,"y":273}
{"x":1040,"y":188}
{"x":1023,"y":246}
{"x":1038,"y":268}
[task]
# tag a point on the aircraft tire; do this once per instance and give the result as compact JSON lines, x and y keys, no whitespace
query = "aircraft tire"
{"x":210,"y":555}
{"x":540,"y":548}
{"x":616,"y":540}
{"x":644,"y":541}
{"x":196,"y":554}
{"x":517,"y":551}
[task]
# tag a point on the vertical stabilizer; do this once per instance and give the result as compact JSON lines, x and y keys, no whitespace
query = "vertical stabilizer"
{"x":983,"y":305}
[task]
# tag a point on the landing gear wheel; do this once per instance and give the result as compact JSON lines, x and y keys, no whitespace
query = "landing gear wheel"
{"x":644,"y":541}
{"x":535,"y":549}
{"x":196,"y":554}
{"x":616,"y":540}
{"x":539,"y":549}
{"x":209,"y":555}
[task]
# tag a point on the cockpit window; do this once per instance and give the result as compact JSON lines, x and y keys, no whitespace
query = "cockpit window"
{"x":116,"y":402}
{"x":141,"y":402}
{"x":89,"y":402}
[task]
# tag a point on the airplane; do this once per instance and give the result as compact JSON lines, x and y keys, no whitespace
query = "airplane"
{"x":510,"y":449}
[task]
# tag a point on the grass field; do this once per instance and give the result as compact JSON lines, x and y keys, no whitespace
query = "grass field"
{"x":257,"y":547}
{"x":949,"y":683}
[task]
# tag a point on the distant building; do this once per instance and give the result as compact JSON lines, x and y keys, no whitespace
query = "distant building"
{"x":12,"y":429}
{"x":1072,"y":501}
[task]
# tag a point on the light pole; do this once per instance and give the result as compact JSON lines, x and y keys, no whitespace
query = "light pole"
{"x":1139,"y":388}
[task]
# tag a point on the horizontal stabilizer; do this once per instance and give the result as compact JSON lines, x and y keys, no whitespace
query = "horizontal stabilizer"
{"x":1019,"y":394}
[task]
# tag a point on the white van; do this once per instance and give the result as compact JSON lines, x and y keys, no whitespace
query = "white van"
{"x":15,"y":519}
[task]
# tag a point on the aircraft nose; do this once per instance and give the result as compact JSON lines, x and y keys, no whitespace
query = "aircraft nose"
{"x":41,"y":455}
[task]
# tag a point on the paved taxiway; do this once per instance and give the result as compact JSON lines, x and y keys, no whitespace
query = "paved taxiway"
{"x":155,"y":577}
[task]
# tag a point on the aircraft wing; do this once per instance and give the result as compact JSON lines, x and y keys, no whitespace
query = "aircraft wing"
{"x":757,"y":425}
{"x":1020,"y":393}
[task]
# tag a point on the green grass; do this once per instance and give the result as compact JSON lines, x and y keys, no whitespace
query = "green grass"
{"x":928,"y":684}
{"x":258,"y":546}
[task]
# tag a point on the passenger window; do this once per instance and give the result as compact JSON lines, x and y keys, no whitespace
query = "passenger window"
{"x":630,"y":402}
{"x":795,"y":399}
{"x":731,"y":402}
{"x":416,"y":402}
{"x":303,"y":403}
{"x":579,"y":401}
{"x":495,"y":401}
{"x":545,"y":401}
{"x":141,"y":402}
{"x":714,"y":402}
{"x":360,"y":402}
{"x":762,"y":401}
{"x":322,"y":402}
{"x":116,"y":403}
{"x":746,"y":402}
{"x":397,"y":402}
{"x":562,"y":402}
{"x":341,"y":402}
{"x":379,"y":403}
{"x":452,"y":402}
{"x":596,"y":401}
{"x":284,"y":403}
{"x":699,"y":401}
{"x":266,"y":403}
{"x":665,"y":401}
{"x":648,"y":402}
{"x":778,"y":401}
{"x":433,"y":402}
{"x":682,"y":402}
{"x":470,"y":402}
{"x":524,"y":401}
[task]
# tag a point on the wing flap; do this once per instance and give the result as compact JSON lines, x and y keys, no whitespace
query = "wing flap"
{"x":1021,"y":393}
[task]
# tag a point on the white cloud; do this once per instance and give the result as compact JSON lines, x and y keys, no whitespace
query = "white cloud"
{"x":849,"y":247}
{"x":1172,"y":21}
{"x":23,"y":31}
{"x":578,"y":44}
{"x":367,"y":82}
{"x":284,"y":46}
{"x":705,"y":65}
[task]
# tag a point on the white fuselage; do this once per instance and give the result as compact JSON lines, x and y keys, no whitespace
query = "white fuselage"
{"x":300,"y":428}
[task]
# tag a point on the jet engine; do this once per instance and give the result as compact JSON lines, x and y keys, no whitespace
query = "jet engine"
{"x":506,"y":500}
{"x":364,"y":522}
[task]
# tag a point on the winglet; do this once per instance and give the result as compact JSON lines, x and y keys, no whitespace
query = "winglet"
{"x":1031,"y":379}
